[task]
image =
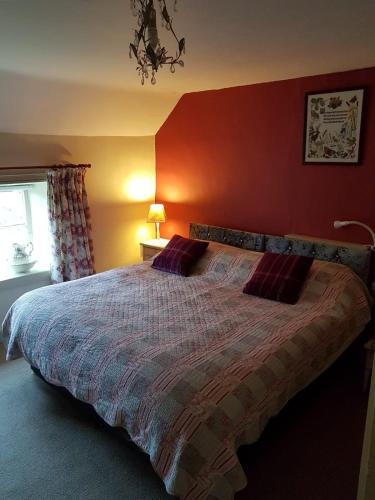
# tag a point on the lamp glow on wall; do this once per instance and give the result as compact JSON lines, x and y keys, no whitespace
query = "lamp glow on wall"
{"x":157,"y":214}
{"x":342,"y":223}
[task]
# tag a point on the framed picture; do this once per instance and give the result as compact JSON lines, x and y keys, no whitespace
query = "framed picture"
{"x":333,"y":127}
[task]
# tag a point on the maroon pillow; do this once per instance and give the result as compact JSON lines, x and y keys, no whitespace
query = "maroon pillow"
{"x":279,"y":277}
{"x":179,"y":255}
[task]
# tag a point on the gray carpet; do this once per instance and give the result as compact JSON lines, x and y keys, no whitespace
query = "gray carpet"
{"x":48,"y":450}
{"x":2,"y":352}
{"x":51,"y":449}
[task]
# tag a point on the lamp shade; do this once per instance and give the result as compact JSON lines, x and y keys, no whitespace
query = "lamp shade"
{"x":156,"y":213}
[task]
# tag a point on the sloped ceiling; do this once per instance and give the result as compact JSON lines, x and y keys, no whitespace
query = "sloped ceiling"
{"x":64,"y":65}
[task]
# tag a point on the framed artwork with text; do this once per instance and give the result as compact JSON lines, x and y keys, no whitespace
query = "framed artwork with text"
{"x":333,"y":122}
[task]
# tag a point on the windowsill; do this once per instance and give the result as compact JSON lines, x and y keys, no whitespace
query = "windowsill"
{"x":9,"y":276}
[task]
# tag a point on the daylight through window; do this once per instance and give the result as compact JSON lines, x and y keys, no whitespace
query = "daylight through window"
{"x":24,"y":222}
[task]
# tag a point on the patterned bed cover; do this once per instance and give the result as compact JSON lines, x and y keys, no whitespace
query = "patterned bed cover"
{"x":191,"y":367}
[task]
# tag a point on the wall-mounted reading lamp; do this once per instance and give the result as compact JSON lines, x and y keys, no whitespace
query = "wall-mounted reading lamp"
{"x":342,"y":223}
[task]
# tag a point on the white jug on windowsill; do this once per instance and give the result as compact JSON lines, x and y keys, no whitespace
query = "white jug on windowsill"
{"x":22,"y":259}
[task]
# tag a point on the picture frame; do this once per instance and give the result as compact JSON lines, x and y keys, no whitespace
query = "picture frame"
{"x":333,"y":127}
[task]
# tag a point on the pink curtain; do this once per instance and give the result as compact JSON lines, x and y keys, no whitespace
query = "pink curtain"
{"x":70,"y":227}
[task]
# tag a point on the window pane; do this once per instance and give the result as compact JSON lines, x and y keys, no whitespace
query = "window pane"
{"x":8,"y":236}
{"x":12,"y":208}
{"x":23,"y":220}
{"x":13,"y":223}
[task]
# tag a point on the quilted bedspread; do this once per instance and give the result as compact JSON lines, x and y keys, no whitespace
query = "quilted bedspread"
{"x":191,"y":367}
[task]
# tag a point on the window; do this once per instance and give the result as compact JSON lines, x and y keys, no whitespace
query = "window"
{"x":24,"y":220}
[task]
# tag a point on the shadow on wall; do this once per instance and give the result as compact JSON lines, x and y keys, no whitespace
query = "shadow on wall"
{"x":119,"y":247}
{"x":17,"y":150}
{"x":50,"y":106}
{"x":177,"y":223}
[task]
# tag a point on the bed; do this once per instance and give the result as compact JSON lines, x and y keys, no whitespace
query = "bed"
{"x":192,"y":368}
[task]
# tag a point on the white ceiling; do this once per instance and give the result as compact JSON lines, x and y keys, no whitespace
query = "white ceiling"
{"x":229,"y":42}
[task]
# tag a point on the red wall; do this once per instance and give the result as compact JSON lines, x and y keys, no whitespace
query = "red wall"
{"x":233,"y":158}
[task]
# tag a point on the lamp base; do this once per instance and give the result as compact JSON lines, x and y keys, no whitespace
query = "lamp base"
{"x":157,"y":226}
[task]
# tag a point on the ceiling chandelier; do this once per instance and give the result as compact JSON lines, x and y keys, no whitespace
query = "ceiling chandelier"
{"x":146,"y":48}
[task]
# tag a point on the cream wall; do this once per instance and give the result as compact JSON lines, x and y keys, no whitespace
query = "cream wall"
{"x":120,"y":185}
{"x":30,"y":105}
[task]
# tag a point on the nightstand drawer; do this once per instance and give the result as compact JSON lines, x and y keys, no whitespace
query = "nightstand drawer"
{"x":149,"y":253}
{"x":150,"y":248}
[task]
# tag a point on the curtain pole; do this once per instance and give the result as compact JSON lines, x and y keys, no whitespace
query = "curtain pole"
{"x":47,"y":167}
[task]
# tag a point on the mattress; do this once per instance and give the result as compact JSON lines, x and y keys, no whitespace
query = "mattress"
{"x":192,"y":368}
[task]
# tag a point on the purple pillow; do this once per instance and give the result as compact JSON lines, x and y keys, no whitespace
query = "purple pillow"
{"x":279,"y":277}
{"x":179,"y":255}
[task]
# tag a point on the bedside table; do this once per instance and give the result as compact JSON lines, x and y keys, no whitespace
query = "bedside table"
{"x":150,"y":248}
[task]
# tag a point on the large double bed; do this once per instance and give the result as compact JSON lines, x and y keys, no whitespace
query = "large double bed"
{"x":192,"y":368}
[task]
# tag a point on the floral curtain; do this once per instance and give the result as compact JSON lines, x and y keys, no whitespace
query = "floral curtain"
{"x":70,"y":227}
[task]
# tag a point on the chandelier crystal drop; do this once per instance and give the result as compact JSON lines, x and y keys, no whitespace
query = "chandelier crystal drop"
{"x":146,"y":47}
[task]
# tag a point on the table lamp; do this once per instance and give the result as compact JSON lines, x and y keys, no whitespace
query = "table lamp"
{"x":156,"y":214}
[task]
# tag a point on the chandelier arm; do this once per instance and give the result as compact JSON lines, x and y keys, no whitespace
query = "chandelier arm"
{"x":173,"y":32}
{"x":170,"y":22}
{"x":147,"y":49}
